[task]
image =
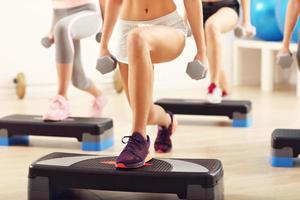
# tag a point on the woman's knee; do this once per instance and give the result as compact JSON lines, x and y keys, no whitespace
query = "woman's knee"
{"x":295,"y":4}
{"x":63,"y":43}
{"x":212,"y":30}
{"x":61,"y":31}
{"x":136,"y":40}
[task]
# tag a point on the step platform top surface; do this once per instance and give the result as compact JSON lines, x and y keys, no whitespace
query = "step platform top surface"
{"x":23,"y":119}
{"x":208,"y":170}
{"x":286,"y":138}
{"x":71,"y":127}
{"x":204,"y":102}
{"x":72,"y":121}
{"x":198,"y":106}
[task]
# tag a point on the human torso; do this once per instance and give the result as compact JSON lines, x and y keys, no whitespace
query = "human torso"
{"x":141,"y":10}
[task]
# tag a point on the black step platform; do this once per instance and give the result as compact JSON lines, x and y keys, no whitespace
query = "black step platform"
{"x":238,"y":111}
{"x":53,"y":175}
{"x":285,"y":147}
{"x":95,"y":133}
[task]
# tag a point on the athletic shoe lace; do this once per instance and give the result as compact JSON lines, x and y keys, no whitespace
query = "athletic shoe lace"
{"x":132,"y":144}
{"x":56,"y":103}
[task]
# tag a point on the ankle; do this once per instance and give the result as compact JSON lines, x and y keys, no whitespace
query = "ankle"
{"x":169,"y":120}
{"x":63,"y":95}
{"x":224,"y":93}
{"x":141,"y":132}
{"x":97,"y":93}
{"x":211,"y":87}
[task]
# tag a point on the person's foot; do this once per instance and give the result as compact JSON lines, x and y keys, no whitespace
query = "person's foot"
{"x":225,"y":95}
{"x":135,"y":153}
{"x":98,"y":105}
{"x":214,"y":94}
{"x":59,"y":109}
{"x":163,"y":142}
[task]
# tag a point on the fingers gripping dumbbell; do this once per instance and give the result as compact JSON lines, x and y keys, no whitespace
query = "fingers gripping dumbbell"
{"x":106,"y":64}
{"x":47,"y":42}
{"x":196,"y":70}
{"x":285,"y":60}
{"x":240,"y":32}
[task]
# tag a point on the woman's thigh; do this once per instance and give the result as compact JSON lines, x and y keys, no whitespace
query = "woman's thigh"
{"x":165,"y":43}
{"x":223,"y":20}
{"x":79,"y":25}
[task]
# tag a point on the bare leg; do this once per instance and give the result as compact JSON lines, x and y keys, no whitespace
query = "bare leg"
{"x":157,"y":115}
{"x":64,"y":72}
{"x":214,"y":27}
{"x":223,"y":81}
{"x":146,"y":46}
{"x":79,"y":78}
{"x":94,"y":91}
{"x":293,"y":12}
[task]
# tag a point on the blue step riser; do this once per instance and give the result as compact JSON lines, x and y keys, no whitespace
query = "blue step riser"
{"x":97,"y":146}
{"x":14,"y":140}
{"x":86,"y":146}
{"x":241,"y":123}
{"x":282,"y":161}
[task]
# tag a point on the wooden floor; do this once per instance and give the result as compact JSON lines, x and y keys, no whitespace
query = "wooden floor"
{"x":244,"y":152}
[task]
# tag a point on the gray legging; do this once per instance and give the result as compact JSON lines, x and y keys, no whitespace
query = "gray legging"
{"x":69,"y":26}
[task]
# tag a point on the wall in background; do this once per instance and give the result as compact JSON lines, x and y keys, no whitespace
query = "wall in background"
{"x":24,"y":23}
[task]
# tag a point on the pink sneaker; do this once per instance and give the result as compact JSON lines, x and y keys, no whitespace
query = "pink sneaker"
{"x":214,"y":94}
{"x":98,"y":106}
{"x":59,"y":109}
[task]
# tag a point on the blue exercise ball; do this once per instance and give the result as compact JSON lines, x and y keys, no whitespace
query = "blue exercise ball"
{"x":281,"y":9}
{"x":263,"y":17}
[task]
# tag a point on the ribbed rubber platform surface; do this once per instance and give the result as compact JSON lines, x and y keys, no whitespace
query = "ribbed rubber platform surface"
{"x":108,"y":163}
{"x":57,"y":155}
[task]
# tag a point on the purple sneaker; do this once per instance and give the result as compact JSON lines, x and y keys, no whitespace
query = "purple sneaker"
{"x":135,"y":153}
{"x":163,"y":142}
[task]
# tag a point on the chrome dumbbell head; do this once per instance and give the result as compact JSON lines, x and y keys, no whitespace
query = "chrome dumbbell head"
{"x":240,"y":32}
{"x":106,"y":64}
{"x":285,"y":60}
{"x":196,"y":70}
{"x":98,"y":37}
{"x":46,"y":42}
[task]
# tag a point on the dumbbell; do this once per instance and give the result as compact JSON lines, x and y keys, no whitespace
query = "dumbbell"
{"x":196,"y":70}
{"x":188,"y":31}
{"x":240,"y":32}
{"x":285,"y":60}
{"x":98,"y":37}
{"x":47,"y":42}
{"x":106,"y":64}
